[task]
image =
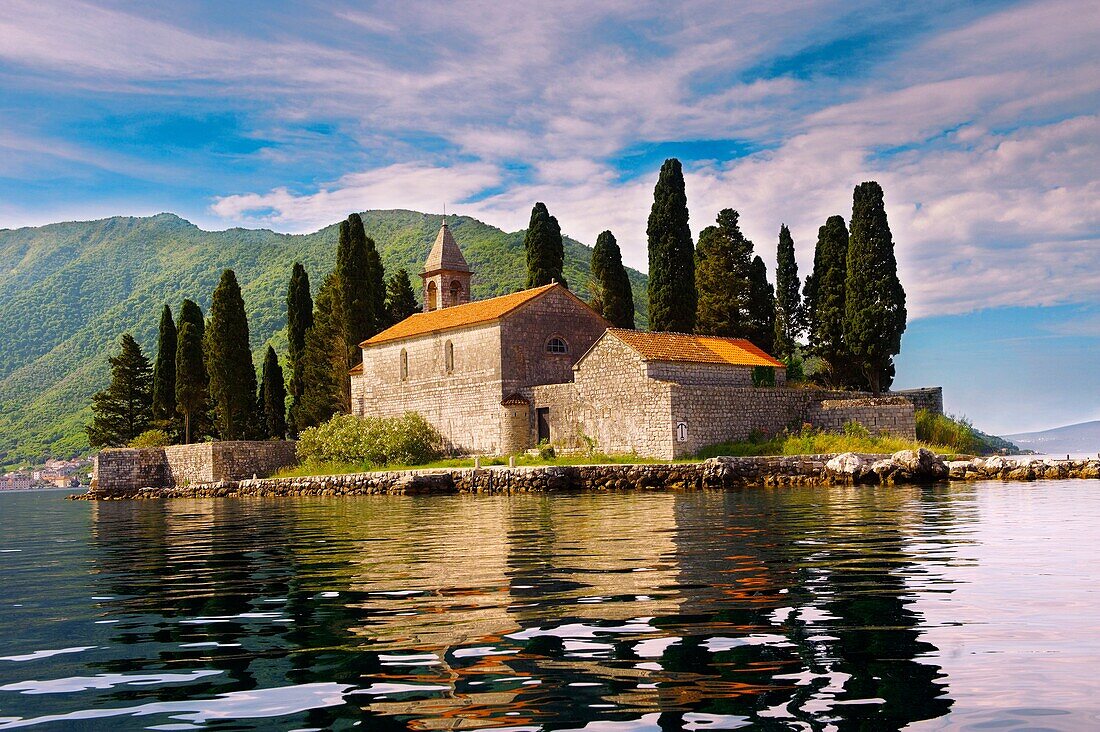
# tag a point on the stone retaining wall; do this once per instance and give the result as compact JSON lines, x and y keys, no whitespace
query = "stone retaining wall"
{"x":882,"y":415}
{"x":929,"y":397}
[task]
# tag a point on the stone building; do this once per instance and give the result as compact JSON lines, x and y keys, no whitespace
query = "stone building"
{"x":499,"y":376}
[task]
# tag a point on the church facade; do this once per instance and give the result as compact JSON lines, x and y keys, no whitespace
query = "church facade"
{"x":501,"y":375}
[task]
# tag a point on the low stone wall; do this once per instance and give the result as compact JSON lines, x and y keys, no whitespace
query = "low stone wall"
{"x":125,"y":471}
{"x":929,"y":398}
{"x":881,"y":415}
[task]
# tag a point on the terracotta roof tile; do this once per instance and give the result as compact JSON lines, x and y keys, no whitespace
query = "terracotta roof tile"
{"x":472,"y":313}
{"x":694,"y":348}
{"x":356,"y":369}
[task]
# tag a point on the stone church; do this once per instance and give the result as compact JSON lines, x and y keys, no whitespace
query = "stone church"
{"x":501,"y":375}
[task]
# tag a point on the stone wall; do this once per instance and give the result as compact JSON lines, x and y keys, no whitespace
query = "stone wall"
{"x":883,"y":415}
{"x":929,"y":397}
{"x":124,"y":470}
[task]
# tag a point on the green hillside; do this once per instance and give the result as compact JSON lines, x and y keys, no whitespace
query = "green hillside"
{"x":68,"y":291}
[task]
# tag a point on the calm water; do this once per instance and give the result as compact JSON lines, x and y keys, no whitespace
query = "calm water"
{"x":958,"y":607}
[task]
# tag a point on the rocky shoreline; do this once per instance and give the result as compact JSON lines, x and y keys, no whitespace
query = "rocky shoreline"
{"x":906,"y":467}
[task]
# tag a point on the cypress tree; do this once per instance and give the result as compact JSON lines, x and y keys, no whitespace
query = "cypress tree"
{"x":192,"y":399}
{"x":324,"y":362}
{"x":273,"y":397}
{"x":299,"y":318}
{"x":164,"y":374}
{"x":761,"y":309}
{"x":544,"y":248}
{"x":672,"y":293}
{"x":376,"y":292}
{"x":124,"y":409}
{"x":356,"y":300}
{"x":723,"y":262}
{"x":614,"y":297}
{"x":400,"y":298}
{"x":788,"y":302}
{"x":875,"y":300}
{"x":825,"y":300}
{"x":229,"y":363}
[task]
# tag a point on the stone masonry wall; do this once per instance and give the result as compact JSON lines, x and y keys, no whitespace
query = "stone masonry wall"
{"x":885,"y":415}
{"x":126,"y":470}
{"x":930,"y":398}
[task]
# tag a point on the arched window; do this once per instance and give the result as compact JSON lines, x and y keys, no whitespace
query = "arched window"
{"x":433,"y":297}
{"x":449,"y":357}
{"x":456,"y":292}
{"x":404,"y":365}
{"x":557,"y":345}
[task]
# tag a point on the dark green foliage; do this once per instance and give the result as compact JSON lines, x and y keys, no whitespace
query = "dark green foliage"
{"x":763,"y":376}
{"x":545,"y":249}
{"x":875,"y":300}
{"x":400,"y":298}
{"x":229,"y":363}
{"x":672,"y":293}
{"x":124,"y":409}
{"x":354,"y":282}
{"x":273,"y":397}
{"x":299,"y":318}
{"x":788,"y":302}
{"x":613,"y":297}
{"x":164,"y":374}
{"x":192,"y":397}
{"x":825,"y":300}
{"x":70,"y":288}
{"x":761,"y":330}
{"x":190,"y":312}
{"x":723,"y":263}
{"x":324,"y":361}
{"x":376,"y":289}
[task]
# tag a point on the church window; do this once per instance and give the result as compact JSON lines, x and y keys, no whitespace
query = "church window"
{"x":557,"y":345}
{"x":404,"y":365}
{"x":449,"y":357}
{"x":433,"y":297}
{"x":456,"y":292}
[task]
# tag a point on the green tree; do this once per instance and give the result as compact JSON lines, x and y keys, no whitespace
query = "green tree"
{"x":545,"y":249}
{"x":229,"y":363}
{"x":723,"y":262}
{"x":354,"y":285}
{"x":788,"y":301}
{"x":273,"y":397}
{"x":124,"y":409}
{"x":875,"y":300}
{"x":376,"y":289}
{"x":614,"y":298}
{"x":825,"y":298}
{"x":672,"y":293}
{"x":164,"y":374}
{"x":400,"y":298}
{"x":192,"y":398}
{"x":299,"y":318}
{"x":761,"y":312}
{"x":324,"y":363}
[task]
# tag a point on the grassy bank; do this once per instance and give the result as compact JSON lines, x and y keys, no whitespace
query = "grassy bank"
{"x":308,"y":469}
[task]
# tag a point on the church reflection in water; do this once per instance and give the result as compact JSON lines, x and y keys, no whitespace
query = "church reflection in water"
{"x":770,"y":608}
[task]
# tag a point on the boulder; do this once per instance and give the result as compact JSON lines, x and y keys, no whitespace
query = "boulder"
{"x":847,"y":464}
{"x":922,"y":464}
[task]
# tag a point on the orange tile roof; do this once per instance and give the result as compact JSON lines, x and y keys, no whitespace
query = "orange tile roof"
{"x":694,"y":348}
{"x":472,"y":313}
{"x":356,"y":369}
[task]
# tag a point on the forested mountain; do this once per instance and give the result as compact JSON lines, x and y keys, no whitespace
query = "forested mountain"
{"x":69,"y":290}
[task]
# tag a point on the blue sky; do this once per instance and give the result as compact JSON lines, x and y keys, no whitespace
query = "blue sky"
{"x":979,"y":119}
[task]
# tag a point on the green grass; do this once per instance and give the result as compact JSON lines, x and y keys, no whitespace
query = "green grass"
{"x":816,"y":442}
{"x":955,"y":432}
{"x":310,"y":469}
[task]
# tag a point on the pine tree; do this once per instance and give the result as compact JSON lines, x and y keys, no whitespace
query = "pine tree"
{"x":164,"y":375}
{"x":874,"y":298}
{"x":723,"y":262}
{"x":299,"y":318}
{"x":788,"y":303}
{"x":229,"y":363}
{"x":124,"y":409}
{"x":614,"y":298}
{"x":192,"y":398}
{"x":400,"y":298}
{"x":544,"y":247}
{"x":672,"y":293}
{"x":324,"y":363}
{"x":761,"y":310}
{"x":273,"y":397}
{"x":356,"y":300}
{"x":825,"y":298}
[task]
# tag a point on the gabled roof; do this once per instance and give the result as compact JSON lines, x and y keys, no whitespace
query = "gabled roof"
{"x":445,"y":254}
{"x":459,"y":316}
{"x":694,"y":348}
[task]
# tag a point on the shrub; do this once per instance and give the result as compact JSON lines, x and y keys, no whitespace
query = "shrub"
{"x":151,"y":438}
{"x":795,"y":369}
{"x":406,"y":440}
{"x":856,"y":429}
{"x":955,"y":432}
{"x":763,"y":376}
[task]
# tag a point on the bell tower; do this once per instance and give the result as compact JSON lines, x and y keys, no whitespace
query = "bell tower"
{"x":446,"y":274}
